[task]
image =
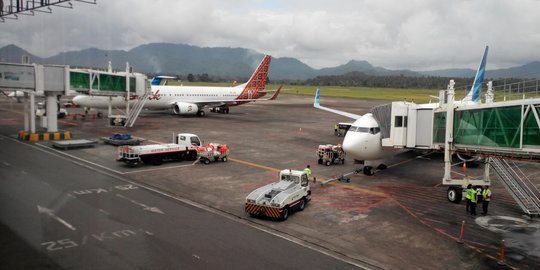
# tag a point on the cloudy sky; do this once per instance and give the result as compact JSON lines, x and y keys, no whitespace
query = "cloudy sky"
{"x":412,"y":34}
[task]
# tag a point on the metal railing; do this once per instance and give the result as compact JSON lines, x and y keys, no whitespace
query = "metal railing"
{"x":524,"y":192}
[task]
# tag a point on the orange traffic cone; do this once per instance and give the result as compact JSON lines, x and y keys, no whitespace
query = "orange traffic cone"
{"x":464,"y":166}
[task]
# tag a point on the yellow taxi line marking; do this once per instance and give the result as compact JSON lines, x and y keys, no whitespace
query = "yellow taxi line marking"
{"x":255,"y":165}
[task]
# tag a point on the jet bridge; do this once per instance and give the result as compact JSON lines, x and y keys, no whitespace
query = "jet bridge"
{"x":52,"y":81}
{"x":495,"y":131}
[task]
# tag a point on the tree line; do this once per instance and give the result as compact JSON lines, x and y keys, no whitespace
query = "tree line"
{"x":360,"y":79}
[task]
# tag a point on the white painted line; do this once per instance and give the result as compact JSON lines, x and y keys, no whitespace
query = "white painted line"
{"x":104,"y":212}
{"x":49,"y":212}
{"x":232,"y":217}
{"x":160,"y":168}
{"x":144,"y":206}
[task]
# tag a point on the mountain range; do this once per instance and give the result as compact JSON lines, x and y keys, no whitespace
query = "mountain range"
{"x":231,"y":63}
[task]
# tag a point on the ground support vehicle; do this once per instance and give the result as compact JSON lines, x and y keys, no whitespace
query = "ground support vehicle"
{"x":184,"y":148}
{"x":329,"y":154}
{"x":121,"y":139}
{"x":278,"y":200}
{"x":342,"y":129}
{"x":213,"y":152}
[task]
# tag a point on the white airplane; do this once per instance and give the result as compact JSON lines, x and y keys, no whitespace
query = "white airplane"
{"x":191,"y":100}
{"x":363,"y":141}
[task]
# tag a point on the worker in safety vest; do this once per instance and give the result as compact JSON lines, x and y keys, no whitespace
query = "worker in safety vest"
{"x":307,"y":171}
{"x":486,"y":194}
{"x":474,"y":200}
{"x":468,"y":196}
{"x":336,"y":130}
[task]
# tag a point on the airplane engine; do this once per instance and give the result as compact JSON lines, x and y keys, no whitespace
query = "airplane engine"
{"x":185,"y":108}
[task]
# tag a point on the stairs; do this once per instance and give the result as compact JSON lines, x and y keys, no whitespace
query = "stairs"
{"x":518,"y":184}
{"x":136,"y":110}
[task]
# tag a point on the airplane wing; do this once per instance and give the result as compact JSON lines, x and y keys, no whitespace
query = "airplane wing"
{"x":317,"y":104}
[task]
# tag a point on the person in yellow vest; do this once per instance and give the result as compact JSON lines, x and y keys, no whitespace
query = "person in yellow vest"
{"x":486,"y":194}
{"x":468,"y":196}
{"x":307,"y":171}
{"x":474,"y":200}
{"x":336,"y":130}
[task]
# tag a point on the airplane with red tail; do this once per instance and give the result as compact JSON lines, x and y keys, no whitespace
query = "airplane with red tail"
{"x":191,"y":100}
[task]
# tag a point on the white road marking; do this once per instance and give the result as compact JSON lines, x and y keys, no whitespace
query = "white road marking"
{"x":104,"y":212}
{"x":221,"y":213}
{"x":49,"y":212}
{"x":144,"y":206}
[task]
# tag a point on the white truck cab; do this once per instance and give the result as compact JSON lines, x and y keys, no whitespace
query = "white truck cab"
{"x":277,"y":200}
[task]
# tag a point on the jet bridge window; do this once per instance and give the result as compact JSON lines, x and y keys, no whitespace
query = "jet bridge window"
{"x":400,"y":121}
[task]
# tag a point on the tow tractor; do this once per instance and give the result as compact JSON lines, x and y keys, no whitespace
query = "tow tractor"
{"x":329,"y":154}
{"x":184,"y":148}
{"x":278,"y":200}
{"x":213,"y":152}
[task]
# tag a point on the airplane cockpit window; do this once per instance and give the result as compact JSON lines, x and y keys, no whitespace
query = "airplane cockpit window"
{"x":363,"y":129}
{"x":352,"y":128}
{"x":374,"y":130}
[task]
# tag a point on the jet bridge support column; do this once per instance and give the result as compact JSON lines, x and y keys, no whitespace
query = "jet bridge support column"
{"x":449,"y":136}
{"x":52,"y":113}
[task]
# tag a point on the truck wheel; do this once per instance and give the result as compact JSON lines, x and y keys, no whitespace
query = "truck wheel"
{"x":343,"y":161}
{"x":454,"y":194}
{"x":224,"y":159}
{"x":156,"y":161}
{"x":319,"y":161}
{"x":192,"y":155}
{"x":328,"y":162}
{"x":206,"y":161}
{"x":302,"y":204}
{"x":99,"y":115}
{"x":285,"y":213}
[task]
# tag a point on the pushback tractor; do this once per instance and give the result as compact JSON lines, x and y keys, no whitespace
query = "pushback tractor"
{"x":277,"y":200}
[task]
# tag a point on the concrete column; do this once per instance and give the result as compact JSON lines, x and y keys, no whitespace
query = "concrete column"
{"x":26,"y":112}
{"x":449,"y":136}
{"x":32,"y":113}
{"x":52,"y":113}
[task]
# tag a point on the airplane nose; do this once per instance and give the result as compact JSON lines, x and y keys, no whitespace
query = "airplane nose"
{"x":352,"y":145}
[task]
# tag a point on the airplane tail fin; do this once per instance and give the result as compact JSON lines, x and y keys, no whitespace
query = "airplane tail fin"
{"x":474,"y":95}
{"x":257,"y":82}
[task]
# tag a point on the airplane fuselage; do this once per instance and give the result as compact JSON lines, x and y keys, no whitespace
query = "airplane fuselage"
{"x":164,"y":97}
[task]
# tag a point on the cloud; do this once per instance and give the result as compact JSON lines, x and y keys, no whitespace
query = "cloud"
{"x":416,"y":34}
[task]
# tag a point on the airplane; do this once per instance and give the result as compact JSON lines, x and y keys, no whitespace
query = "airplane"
{"x":191,"y":100}
{"x":363,"y":141}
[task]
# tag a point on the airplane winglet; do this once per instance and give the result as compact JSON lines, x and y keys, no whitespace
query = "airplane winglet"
{"x":317,"y":104}
{"x":275,"y":95}
{"x":317,"y":100}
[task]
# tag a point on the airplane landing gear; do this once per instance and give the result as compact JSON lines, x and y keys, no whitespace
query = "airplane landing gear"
{"x":369,"y":171}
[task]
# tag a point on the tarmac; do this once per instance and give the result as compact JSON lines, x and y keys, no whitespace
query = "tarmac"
{"x":397,"y":219}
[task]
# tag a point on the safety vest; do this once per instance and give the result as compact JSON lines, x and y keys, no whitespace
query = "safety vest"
{"x":307,"y":171}
{"x":474,"y":197}
{"x":468,"y":195}
{"x":486,"y":194}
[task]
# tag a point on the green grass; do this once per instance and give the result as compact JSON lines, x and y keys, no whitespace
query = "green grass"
{"x":365,"y":93}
